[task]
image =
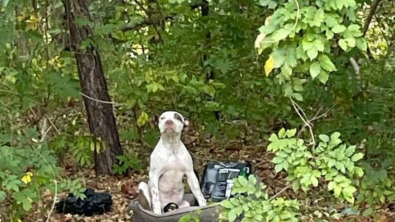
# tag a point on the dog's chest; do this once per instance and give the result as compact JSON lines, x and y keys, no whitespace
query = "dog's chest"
{"x":173,"y":172}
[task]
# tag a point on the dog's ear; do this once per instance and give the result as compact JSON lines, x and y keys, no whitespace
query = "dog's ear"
{"x":154,"y":121}
{"x":186,"y":126}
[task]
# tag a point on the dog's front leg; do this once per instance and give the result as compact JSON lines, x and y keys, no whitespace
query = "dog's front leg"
{"x":193,"y":183}
{"x":154,"y":175}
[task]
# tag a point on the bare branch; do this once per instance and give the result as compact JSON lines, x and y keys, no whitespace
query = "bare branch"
{"x":306,"y":122}
{"x":373,"y":8}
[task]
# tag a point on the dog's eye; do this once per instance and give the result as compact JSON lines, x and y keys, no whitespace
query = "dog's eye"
{"x":162,"y":118}
{"x":178,"y":117}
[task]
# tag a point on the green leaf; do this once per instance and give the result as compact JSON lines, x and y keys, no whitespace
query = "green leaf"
{"x":278,"y":168}
{"x":232,"y":215}
{"x":3,"y":195}
{"x":319,"y":45}
{"x":343,"y":44}
{"x":350,"y":42}
{"x":279,"y":58}
{"x":307,"y":45}
{"x":331,"y":185}
{"x":298,"y":96}
{"x":337,"y":191}
{"x":5,"y":3}
{"x":339,"y":29}
{"x":277,"y":160}
{"x":26,"y":204}
{"x":367,"y":212}
{"x":323,"y":76}
{"x":324,"y":138}
{"x":312,"y":53}
{"x":361,"y":44}
{"x":273,"y":137}
{"x":359,"y":171}
{"x":290,"y":133}
{"x":280,"y":34}
{"x":355,"y":30}
{"x":243,"y":181}
{"x":357,"y":157}
{"x":315,"y":69}
{"x":314,"y":181}
{"x":227,"y":204}
{"x":329,"y":35}
{"x":335,"y":136}
{"x":326,"y":63}
{"x":319,"y":17}
{"x":349,"y":191}
{"x":286,"y":70}
{"x":350,"y":151}
{"x":295,"y":185}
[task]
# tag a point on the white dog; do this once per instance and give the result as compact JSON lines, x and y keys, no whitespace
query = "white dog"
{"x":169,"y":162}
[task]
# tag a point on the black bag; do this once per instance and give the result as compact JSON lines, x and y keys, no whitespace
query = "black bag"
{"x":218,"y":177}
{"x":94,"y":203}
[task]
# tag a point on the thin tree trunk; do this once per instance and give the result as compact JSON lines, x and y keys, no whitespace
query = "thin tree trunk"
{"x":210,"y":75}
{"x":93,"y":83}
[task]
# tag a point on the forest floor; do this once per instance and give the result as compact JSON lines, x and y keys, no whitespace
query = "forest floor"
{"x":202,"y":153}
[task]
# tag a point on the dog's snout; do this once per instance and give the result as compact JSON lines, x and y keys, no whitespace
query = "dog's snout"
{"x":169,"y":122}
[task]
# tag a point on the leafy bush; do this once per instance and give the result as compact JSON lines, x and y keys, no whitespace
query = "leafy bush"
{"x":329,"y":159}
{"x":27,"y":170}
{"x":331,"y":162}
{"x":127,"y":162}
{"x":256,"y":205}
{"x":376,"y":188}
{"x":301,"y":38}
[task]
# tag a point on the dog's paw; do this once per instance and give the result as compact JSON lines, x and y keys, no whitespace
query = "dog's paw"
{"x":157,"y":210}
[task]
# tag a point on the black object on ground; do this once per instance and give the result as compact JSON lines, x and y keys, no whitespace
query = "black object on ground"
{"x":218,"y":177}
{"x":94,"y":203}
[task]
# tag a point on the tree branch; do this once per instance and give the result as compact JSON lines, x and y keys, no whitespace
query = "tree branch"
{"x":144,"y":23}
{"x":373,"y":8}
{"x":147,"y":22}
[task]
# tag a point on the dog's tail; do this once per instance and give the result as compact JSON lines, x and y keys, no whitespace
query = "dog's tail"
{"x":144,"y":197}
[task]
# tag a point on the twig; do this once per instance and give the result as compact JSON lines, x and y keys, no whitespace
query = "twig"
{"x":288,"y":186}
{"x":54,"y":201}
{"x":306,"y":122}
{"x":45,"y":134}
{"x":50,"y":121}
{"x":55,"y":183}
{"x":101,"y":101}
{"x":315,"y":117}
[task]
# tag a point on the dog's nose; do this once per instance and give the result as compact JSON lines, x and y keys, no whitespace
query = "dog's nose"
{"x":169,"y":122}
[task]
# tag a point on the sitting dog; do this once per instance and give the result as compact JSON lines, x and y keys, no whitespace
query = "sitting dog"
{"x":169,"y":162}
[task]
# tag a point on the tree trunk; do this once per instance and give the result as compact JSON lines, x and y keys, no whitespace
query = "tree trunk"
{"x":93,"y":83}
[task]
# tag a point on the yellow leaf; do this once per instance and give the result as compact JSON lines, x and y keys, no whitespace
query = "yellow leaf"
{"x":269,"y":65}
{"x":143,"y":119}
{"x":33,"y":22}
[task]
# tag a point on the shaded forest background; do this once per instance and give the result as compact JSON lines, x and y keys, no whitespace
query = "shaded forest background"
{"x":82,"y":81}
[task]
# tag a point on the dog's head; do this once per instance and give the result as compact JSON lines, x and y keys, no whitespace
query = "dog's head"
{"x":171,"y":122}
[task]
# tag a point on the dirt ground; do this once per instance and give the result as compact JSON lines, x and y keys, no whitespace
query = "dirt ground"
{"x":123,"y":188}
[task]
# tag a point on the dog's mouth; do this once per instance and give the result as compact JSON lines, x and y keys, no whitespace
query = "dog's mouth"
{"x":169,"y":129}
